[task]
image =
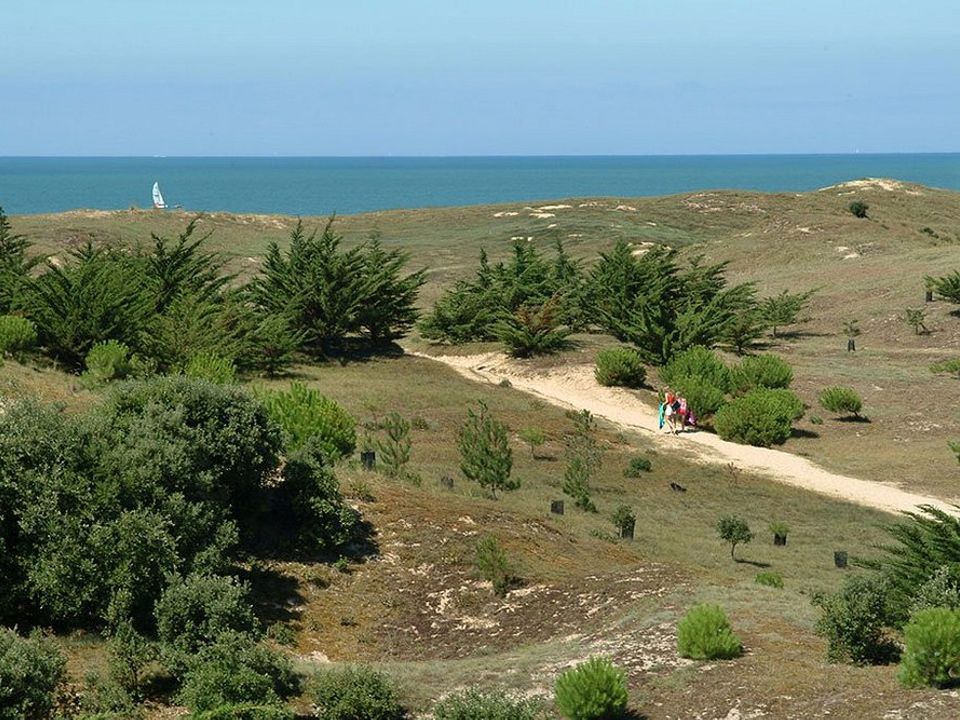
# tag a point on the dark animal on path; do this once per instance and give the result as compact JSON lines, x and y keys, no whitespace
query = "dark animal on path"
{"x":677,"y":487}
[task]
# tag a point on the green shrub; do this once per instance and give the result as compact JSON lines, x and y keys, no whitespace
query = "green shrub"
{"x":476,"y":704}
{"x":931,"y":649}
{"x":17,"y":335}
{"x":843,"y":400}
{"x":853,"y":620}
{"x":637,"y":465}
{"x":703,"y":398}
{"x":494,"y":566}
{"x":770,"y":579}
{"x":534,"y":437}
{"x":533,"y":330}
{"x":194,"y":612}
{"x":858,"y":208}
{"x":393,"y":449}
{"x":236,"y":670}
{"x":593,"y":690}
{"x":311,"y":506}
{"x":767,"y":371}
{"x":356,"y":693}
{"x":244,"y":712}
{"x":624,"y":519}
{"x":949,"y":367}
{"x":762,"y":417}
{"x":620,"y":367}
{"x":697,"y":362}
{"x":704,"y":634}
{"x":212,"y":367}
{"x":108,"y":361}
{"x":485,"y":453}
{"x":941,"y":590}
{"x":31,"y":670}
{"x":304,"y":413}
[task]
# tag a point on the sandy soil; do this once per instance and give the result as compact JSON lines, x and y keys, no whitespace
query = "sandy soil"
{"x":574,"y":387}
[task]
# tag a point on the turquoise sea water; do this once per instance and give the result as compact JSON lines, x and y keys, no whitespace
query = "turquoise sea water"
{"x":316,"y":186}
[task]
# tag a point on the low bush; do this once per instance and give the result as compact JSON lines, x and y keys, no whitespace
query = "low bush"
{"x":620,"y":367}
{"x":476,"y":704}
{"x":236,"y":670}
{"x":762,"y":417}
{"x":700,"y":363}
{"x":858,"y":208}
{"x":704,"y":634}
{"x":244,"y":712}
{"x":31,"y":670}
{"x":638,"y":464}
{"x":304,"y":413}
{"x":853,"y":621}
{"x":931,"y":649}
{"x":212,"y":367}
{"x":356,"y":693}
{"x":948,"y":367}
{"x":703,"y":398}
{"x":17,"y":335}
{"x":841,"y":400}
{"x":770,"y":579}
{"x":108,"y":361}
{"x":624,"y":519}
{"x":941,"y":590}
{"x":194,"y":612}
{"x":593,"y":690}
{"x":494,"y":566}
{"x":767,"y":371}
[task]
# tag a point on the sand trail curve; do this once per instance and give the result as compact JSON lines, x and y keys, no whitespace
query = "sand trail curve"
{"x":574,"y":387}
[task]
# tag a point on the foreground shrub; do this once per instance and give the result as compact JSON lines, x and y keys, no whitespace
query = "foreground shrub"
{"x":941,"y":590}
{"x":620,"y":367}
{"x":842,"y":400}
{"x":494,"y":566}
{"x":236,"y":670}
{"x":477,"y":704}
{"x":31,"y":669}
{"x":212,"y":367}
{"x":194,"y":612}
{"x":304,"y":413}
{"x":637,"y":465}
{"x":853,"y":620}
{"x":931,"y":652}
{"x":593,"y":690}
{"x":762,"y":417}
{"x":244,"y":712}
{"x":703,"y":398}
{"x":311,"y":506}
{"x":704,"y":634}
{"x":356,"y":693}
{"x":17,"y":335}
{"x":768,"y":371}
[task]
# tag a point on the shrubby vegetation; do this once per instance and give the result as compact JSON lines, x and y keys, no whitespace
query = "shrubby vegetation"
{"x":853,"y":620}
{"x":305,"y":414}
{"x":931,"y":652}
{"x":494,"y":565}
{"x":476,"y":704}
{"x":620,"y":367}
{"x":841,"y":400}
{"x":593,"y":690}
{"x":356,"y":693}
{"x":704,"y":634}
{"x":770,"y":579}
{"x":762,"y":417}
{"x":31,"y":669}
{"x":584,"y":458}
{"x":734,"y":530}
{"x":637,"y":465}
{"x":17,"y":336}
{"x":946,"y":287}
{"x":761,"y":371}
{"x":485,"y":454}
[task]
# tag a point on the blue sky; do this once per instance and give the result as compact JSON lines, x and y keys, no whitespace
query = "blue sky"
{"x":485,"y":77}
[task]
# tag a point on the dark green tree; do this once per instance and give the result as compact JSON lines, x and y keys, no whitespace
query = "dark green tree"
{"x":784,"y":309}
{"x":485,"y":453}
{"x":15,"y":265}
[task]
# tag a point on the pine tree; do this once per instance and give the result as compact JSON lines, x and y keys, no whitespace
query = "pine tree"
{"x":14,"y":263}
{"x":485,"y":453}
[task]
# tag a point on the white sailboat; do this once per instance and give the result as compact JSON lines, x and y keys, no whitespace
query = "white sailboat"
{"x":158,"y":202}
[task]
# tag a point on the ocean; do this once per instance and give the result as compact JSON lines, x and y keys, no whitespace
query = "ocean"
{"x":319,"y":186}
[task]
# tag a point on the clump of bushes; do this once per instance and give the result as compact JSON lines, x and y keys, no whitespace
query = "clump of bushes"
{"x":108,"y":361}
{"x":305,"y":414}
{"x":17,"y":335}
{"x":697,"y":362}
{"x":841,"y":400}
{"x":593,"y":690}
{"x":762,"y":417}
{"x":853,"y":620}
{"x":212,"y":367}
{"x":704,"y":634}
{"x":246,"y":711}
{"x":31,"y":670}
{"x":638,"y":464}
{"x":356,"y":693}
{"x":770,"y":579}
{"x":476,"y":704}
{"x":621,"y":367}
{"x":931,"y":653}
{"x":761,"y":371}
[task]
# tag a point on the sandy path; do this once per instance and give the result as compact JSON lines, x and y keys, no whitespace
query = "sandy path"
{"x":574,"y":387}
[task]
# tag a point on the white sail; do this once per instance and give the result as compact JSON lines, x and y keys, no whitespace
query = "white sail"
{"x":157,"y":197}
